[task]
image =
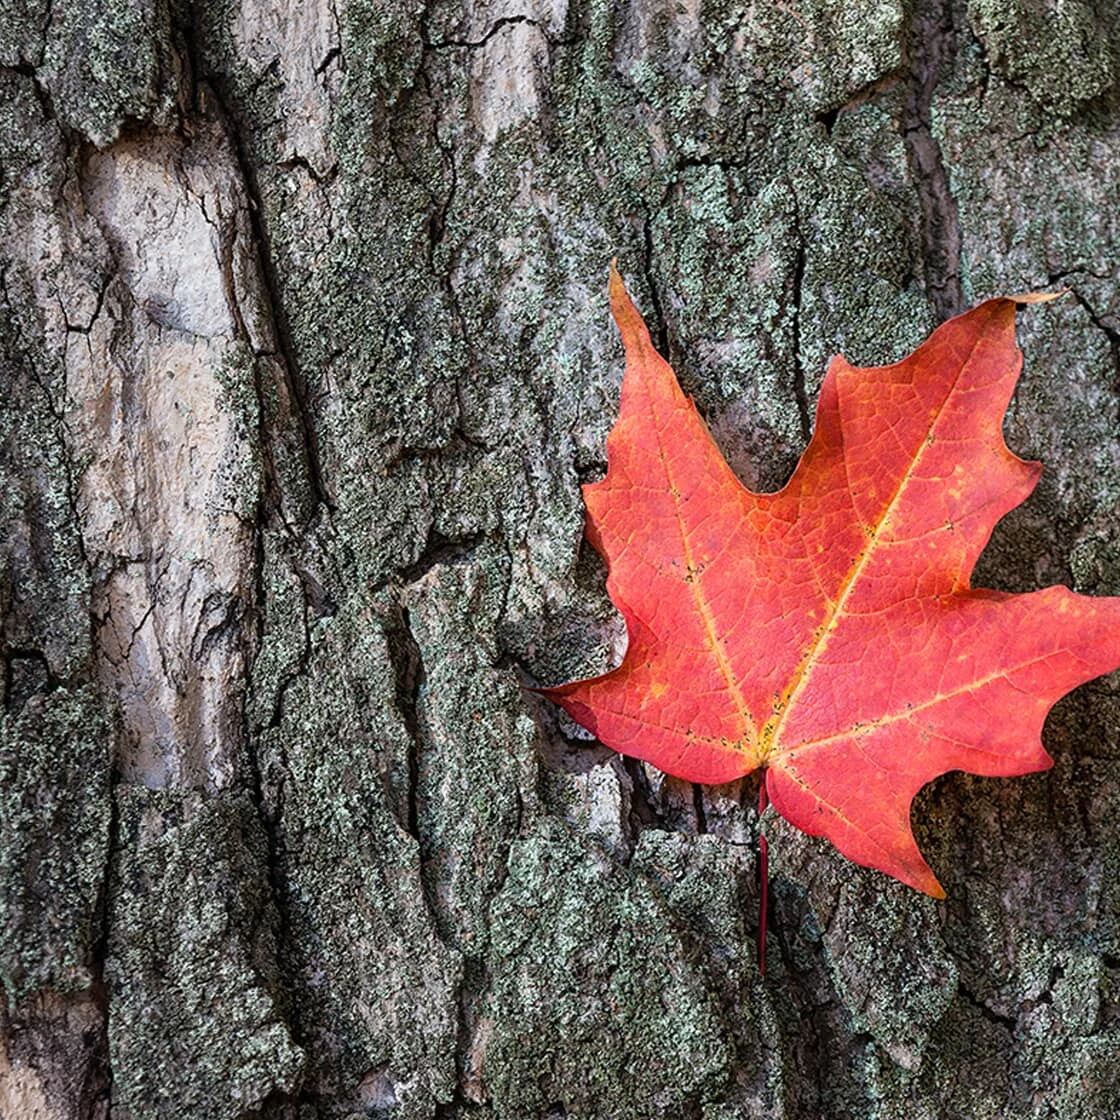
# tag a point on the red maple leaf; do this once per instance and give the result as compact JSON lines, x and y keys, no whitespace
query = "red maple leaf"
{"x":828,"y":633}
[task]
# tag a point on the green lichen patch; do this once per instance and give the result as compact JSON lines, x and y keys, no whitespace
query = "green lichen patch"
{"x":1062,"y":55}
{"x":966,"y":1073}
{"x":109,"y":64}
{"x":849,"y":47}
{"x":476,"y":759}
{"x":21,"y":31}
{"x":195,"y":1027}
{"x":889,"y":963}
{"x":54,"y":838}
{"x":596,"y":1004}
{"x":711,"y":886}
{"x":373,"y":987}
{"x":44,"y":585}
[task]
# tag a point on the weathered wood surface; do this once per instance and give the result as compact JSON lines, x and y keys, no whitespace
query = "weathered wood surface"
{"x":305,"y":352}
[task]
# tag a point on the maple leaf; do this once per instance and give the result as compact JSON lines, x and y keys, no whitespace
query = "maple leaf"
{"x":828,"y":632}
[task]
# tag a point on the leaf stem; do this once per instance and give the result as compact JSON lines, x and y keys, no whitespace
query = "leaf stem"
{"x":763,"y":877}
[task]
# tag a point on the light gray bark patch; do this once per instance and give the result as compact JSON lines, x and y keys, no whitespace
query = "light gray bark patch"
{"x":54,"y":837}
{"x":195,"y":1028}
{"x":165,"y":418}
{"x":1035,"y":216}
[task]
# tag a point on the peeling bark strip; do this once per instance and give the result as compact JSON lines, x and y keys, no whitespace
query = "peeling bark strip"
{"x":375,"y":274}
{"x":170,"y":491}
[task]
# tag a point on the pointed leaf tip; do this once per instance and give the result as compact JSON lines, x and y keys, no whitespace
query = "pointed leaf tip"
{"x":631,"y":325}
{"x":616,"y":286}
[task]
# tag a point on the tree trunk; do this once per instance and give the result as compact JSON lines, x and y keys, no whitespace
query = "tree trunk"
{"x":305,"y":352}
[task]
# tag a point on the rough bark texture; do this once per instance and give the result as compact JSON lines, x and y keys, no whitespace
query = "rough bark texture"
{"x":304,"y":354}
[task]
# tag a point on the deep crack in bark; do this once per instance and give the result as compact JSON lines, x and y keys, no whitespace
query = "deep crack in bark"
{"x":1110,"y":332}
{"x":931,"y":46}
{"x":408,"y":668}
{"x":660,"y":333}
{"x":225,"y":109}
{"x":797,"y":284}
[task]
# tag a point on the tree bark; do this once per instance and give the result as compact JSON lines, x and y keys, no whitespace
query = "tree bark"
{"x":305,"y":352}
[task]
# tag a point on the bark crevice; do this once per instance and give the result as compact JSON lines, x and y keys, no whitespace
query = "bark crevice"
{"x":930,"y":48}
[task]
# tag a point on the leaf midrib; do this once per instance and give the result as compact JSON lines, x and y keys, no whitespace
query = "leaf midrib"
{"x":770,"y":742}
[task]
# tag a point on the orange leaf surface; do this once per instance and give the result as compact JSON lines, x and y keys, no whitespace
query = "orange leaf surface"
{"x":828,"y":633}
